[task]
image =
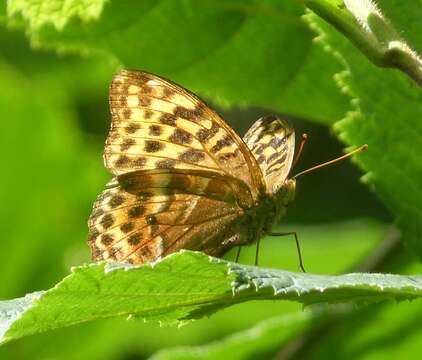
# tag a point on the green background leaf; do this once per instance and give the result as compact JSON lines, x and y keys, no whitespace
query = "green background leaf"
{"x":241,"y":52}
{"x":382,"y":119}
{"x":258,"y":341}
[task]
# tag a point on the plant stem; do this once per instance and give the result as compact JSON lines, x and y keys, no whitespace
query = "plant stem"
{"x":367,"y":28}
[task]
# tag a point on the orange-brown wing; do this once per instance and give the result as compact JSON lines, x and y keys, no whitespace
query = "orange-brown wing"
{"x":158,"y":124}
{"x":272,"y":142}
{"x":147,"y":214}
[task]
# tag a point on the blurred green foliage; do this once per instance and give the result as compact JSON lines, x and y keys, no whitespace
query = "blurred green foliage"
{"x":56,"y":60}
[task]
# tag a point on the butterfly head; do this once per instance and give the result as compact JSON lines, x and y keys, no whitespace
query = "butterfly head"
{"x":280,"y":201}
{"x":287,"y":191}
{"x":273,"y":207}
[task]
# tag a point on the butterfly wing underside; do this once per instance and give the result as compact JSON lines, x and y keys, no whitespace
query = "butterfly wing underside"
{"x":272,"y":143}
{"x":147,"y":214}
{"x":158,"y":124}
{"x":183,"y":177}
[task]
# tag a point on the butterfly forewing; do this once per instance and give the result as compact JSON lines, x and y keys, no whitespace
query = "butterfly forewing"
{"x":272,"y":143}
{"x":158,"y":124}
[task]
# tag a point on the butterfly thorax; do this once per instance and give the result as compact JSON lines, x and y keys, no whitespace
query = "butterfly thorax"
{"x":269,"y":210}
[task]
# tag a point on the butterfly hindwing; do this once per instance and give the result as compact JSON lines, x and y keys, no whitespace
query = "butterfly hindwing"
{"x":147,"y":214}
{"x":272,"y":143}
{"x":158,"y":124}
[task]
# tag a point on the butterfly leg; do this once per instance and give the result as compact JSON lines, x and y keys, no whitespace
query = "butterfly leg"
{"x":299,"y":253}
{"x":257,"y":252}
{"x":238,"y":253}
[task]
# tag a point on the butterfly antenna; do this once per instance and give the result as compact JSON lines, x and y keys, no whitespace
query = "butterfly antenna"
{"x":301,"y":146}
{"x":358,"y":150}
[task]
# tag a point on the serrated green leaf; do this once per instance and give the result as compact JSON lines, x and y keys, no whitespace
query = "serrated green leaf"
{"x":184,"y":286}
{"x":386,"y":108}
{"x":12,"y":310}
{"x":365,"y":25}
{"x":39,"y":13}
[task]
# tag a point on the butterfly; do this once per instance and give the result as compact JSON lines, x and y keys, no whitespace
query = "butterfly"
{"x":183,"y":179}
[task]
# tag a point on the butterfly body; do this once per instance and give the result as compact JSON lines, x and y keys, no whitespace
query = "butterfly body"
{"x":183,"y":178}
{"x":269,"y":211}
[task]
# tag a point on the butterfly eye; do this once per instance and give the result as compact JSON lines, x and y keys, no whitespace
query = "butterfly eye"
{"x":144,"y":195}
{"x":151,"y":220}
